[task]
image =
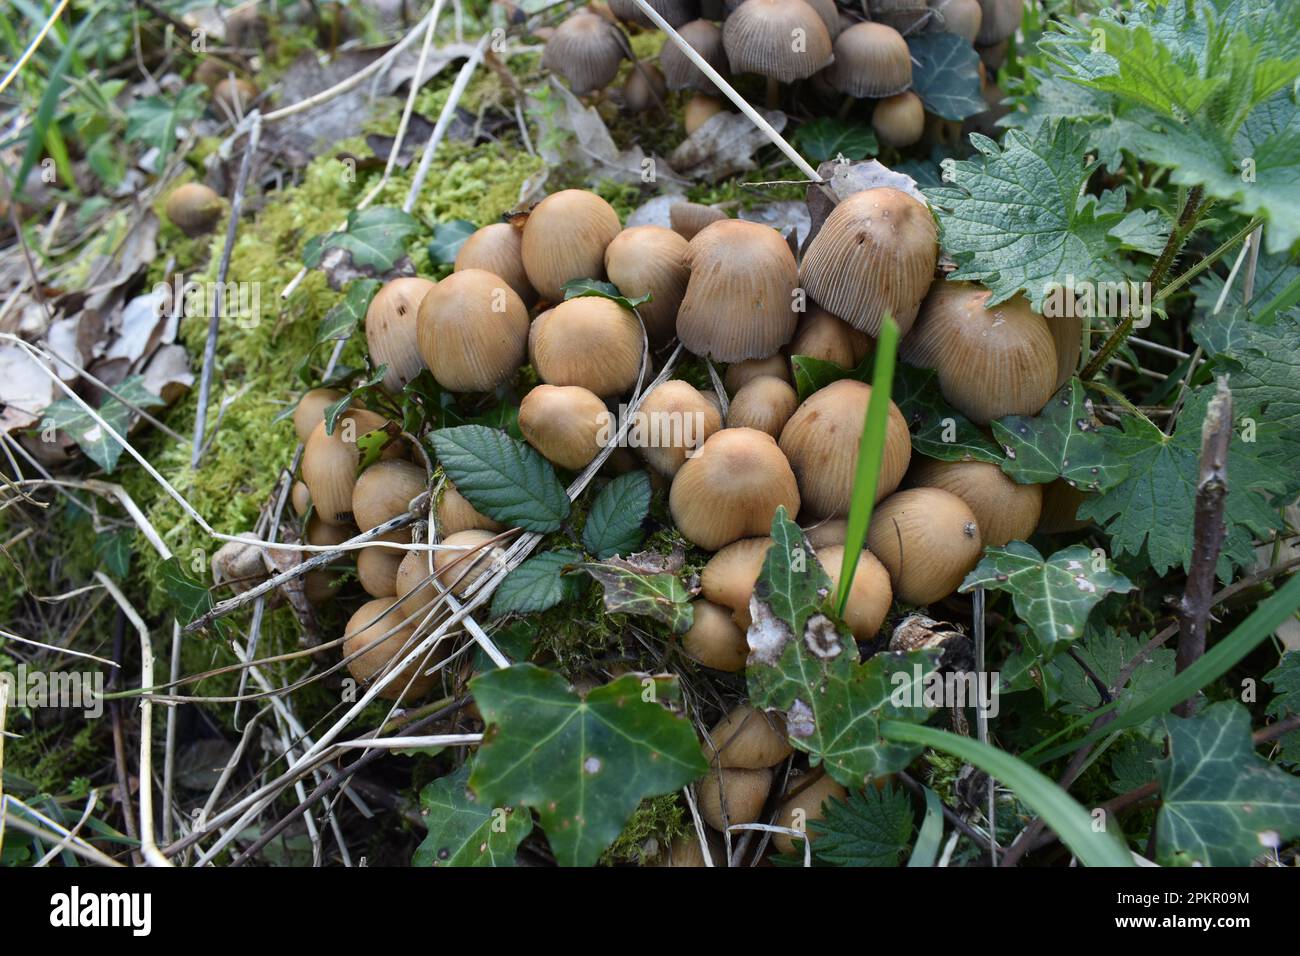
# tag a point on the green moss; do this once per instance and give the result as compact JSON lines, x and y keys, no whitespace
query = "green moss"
{"x":651,"y":828}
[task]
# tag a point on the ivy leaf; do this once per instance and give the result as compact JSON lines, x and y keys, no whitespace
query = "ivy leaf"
{"x":375,"y":238}
{"x":67,"y":416}
{"x":1285,"y":681}
{"x":113,"y":548}
{"x":154,"y":119}
{"x":1221,"y":803}
{"x":342,"y":318}
{"x":938,"y":430}
{"x":337,"y":407}
{"x":537,"y":585}
{"x":187,"y":596}
{"x":464,"y":832}
{"x":1053,"y":596}
{"x":579,"y":288}
{"x":868,"y":828}
{"x":946,"y":75}
{"x":447,"y":239}
{"x":813,"y":374}
{"x":660,"y":596}
{"x":614,"y":522}
{"x":583,"y":764}
{"x":1061,"y":441}
{"x":827,"y":138}
{"x":502,"y":477}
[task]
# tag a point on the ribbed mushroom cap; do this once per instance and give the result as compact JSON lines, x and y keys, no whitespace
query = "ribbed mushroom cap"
{"x":999,"y":21}
{"x":377,"y":570}
{"x":674,"y":420}
{"x":565,"y":423}
{"x":748,"y":739}
{"x":415,"y":585}
{"x":929,"y":540}
{"x":385,"y":490}
{"x":871,"y":60}
{"x":903,"y":15}
{"x":455,"y":513}
{"x":680,"y":73}
{"x":738,"y":303}
{"x":194,"y":208}
{"x":329,"y":463}
{"x":714,"y":639}
{"x":1005,"y":510}
{"x":676,"y":12}
{"x":870,"y":595}
{"x":803,"y":807}
{"x":962,"y":17}
{"x":824,"y":336}
{"x":464,"y":558}
{"x":370,"y":622}
{"x":473,"y":331}
{"x":651,"y":260}
{"x":899,"y":120}
{"x":391,"y":329}
{"x":827,"y":534}
{"x":700,"y":108}
{"x":766,"y":403}
{"x":300,"y":497}
{"x":1067,"y":335}
{"x":731,"y":796}
{"x":760,"y":37}
{"x":499,"y":249}
{"x":589,"y":341}
{"x":644,"y":89}
{"x":740,"y":374}
{"x":731,"y":488}
{"x":992,"y":361}
{"x":586,"y":50}
{"x":875,"y":253}
{"x":565,"y":238}
{"x":821,"y":443}
{"x":688,"y":218}
{"x":728,"y":577}
{"x":310,"y":410}
{"x":830,"y":15}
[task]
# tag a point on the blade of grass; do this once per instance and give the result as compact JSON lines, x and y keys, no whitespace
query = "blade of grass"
{"x":870,"y":451}
{"x":926,"y":849}
{"x":1061,"y":812}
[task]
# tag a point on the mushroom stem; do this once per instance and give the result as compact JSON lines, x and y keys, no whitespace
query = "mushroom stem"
{"x":846,"y":106}
{"x":773,"y":93}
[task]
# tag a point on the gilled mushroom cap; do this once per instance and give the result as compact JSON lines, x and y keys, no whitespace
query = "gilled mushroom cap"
{"x":363,"y":637}
{"x":465,"y":557}
{"x":235,"y":95}
{"x":586,"y":50}
{"x":1004,"y":509}
{"x":899,"y":120}
{"x":676,"y":12}
{"x":391,"y":335}
{"x":740,"y":374}
{"x":962,"y":17}
{"x":310,"y":410}
{"x":729,"y":576}
{"x":674,"y":419}
{"x":377,"y":570}
{"x":565,"y":423}
{"x":760,"y":36}
{"x":499,"y":249}
{"x":749,"y":739}
{"x":688,"y":218}
{"x":999,"y":22}
{"x":765,"y":403}
{"x":830,"y":14}
{"x":992,"y":360}
{"x":473,"y":331}
{"x":680,"y":73}
{"x":455,"y":513}
{"x":827,"y":534}
{"x":714,"y":639}
{"x":329,"y":463}
{"x":650,"y":260}
{"x":739,"y":301}
{"x":871,"y":60}
{"x":565,"y":238}
{"x":385,"y":490}
{"x":821,"y":443}
{"x":928,"y":539}
{"x":731,"y":796}
{"x":903,"y":15}
{"x":589,"y":341}
{"x":1061,"y":503}
{"x":870,"y":594}
{"x":875,"y":253}
{"x":1067,"y":333}
{"x":824,"y":336}
{"x":731,"y":488}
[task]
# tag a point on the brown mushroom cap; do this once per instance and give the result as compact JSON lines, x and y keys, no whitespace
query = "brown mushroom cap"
{"x":903,"y":15}
{"x":824,"y":336}
{"x":875,"y":253}
{"x":329,"y":463}
{"x":739,"y":301}
{"x":680,"y":73}
{"x":391,"y":335}
{"x":235,"y":95}
{"x":821,"y":442}
{"x":565,"y":238}
{"x":730,"y":796}
{"x":999,"y":21}
{"x":748,"y":739}
{"x":589,"y":341}
{"x":650,"y":260}
{"x":731,"y":488}
{"x":586,"y":50}
{"x":499,"y":249}
{"x":827,"y":534}
{"x":455,"y":513}
{"x":992,"y":360}
{"x":565,"y":423}
{"x":1067,"y":335}
{"x":803,"y":807}
{"x":1004,"y":509}
{"x":759,"y":38}
{"x":714,"y":639}
{"x":992,"y":55}
{"x":644,"y":89}
{"x":676,"y":12}
{"x":473,"y":331}
{"x":366,"y":626}
{"x":700,"y":108}
{"x":870,"y":595}
{"x":766,"y":403}
{"x":1060,"y":513}
{"x":728,"y":577}
{"x":899,"y":120}
{"x":688,"y":218}
{"x":310,"y":410}
{"x":385,"y":490}
{"x":740,"y":374}
{"x":674,"y":419}
{"x":300,"y":497}
{"x":463,"y":558}
{"x":830,"y":15}
{"x":929,"y":540}
{"x":377,"y":570}
{"x":871,"y":60}
{"x":962,"y":17}
{"x":194,"y":208}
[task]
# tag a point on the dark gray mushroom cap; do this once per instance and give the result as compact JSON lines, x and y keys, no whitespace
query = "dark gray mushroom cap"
{"x":785,"y":40}
{"x":706,"y":39}
{"x":676,"y":12}
{"x":586,"y":50}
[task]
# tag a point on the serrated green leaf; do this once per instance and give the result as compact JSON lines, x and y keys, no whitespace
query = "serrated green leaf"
{"x":868,"y":828}
{"x":1106,"y":652}
{"x":375,"y":238}
{"x":1061,"y":441}
{"x":69,"y":417}
{"x":1053,"y":596}
{"x":1285,"y":681}
{"x":342,"y":318}
{"x":1263,"y":362}
{"x":945,"y":75}
{"x":580,"y":288}
{"x":614,"y":521}
{"x":660,"y":596}
{"x":538,"y":584}
{"x":464,"y":832}
{"x":827,"y":138}
{"x":502,"y":477}
{"x":583,"y":764}
{"x":447,"y":239}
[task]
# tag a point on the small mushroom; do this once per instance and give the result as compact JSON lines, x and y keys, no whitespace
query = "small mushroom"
{"x":1060,"y":513}
{"x":871,"y":60}
{"x":899,"y":120}
{"x":329,"y":463}
{"x":455,"y":513}
{"x":870,"y":595}
{"x":699,"y":109}
{"x":740,"y":374}
{"x":748,"y":739}
{"x":1004,"y":509}
{"x":385,"y":490}
{"x":310,"y":410}
{"x":234,"y":95}
{"x":473,"y":331}
{"x":962,"y":17}
{"x":377,"y":570}
{"x":644,"y":89}
{"x":824,"y":336}
{"x":300,"y":497}
{"x":391,"y":329}
{"x":194,"y":208}
{"x":827,"y":534}
{"x":365,"y":637}
{"x":803,"y":806}
{"x":999,"y":21}
{"x":499,"y":249}
{"x":565,"y":423}
{"x":731,"y":488}
{"x":782,"y":40}
{"x":565,"y":238}
{"x":679,"y":72}
{"x":929,"y":540}
{"x":714,"y":639}
{"x":586,"y":50}
{"x":688,"y":218}
{"x":462,"y":559}
{"x":1067,"y":335}
{"x":650,"y":260}
{"x":728,"y":578}
{"x":589,"y":341}
{"x":730,"y":796}
{"x":765,"y":403}
{"x":673,"y":422}
{"x":676,"y":12}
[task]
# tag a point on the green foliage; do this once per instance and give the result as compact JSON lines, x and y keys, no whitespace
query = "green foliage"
{"x":614,"y":522}
{"x":868,"y":828}
{"x":1061,"y":441}
{"x":1263,"y":363}
{"x":658,"y":595}
{"x":538,"y":584}
{"x":342,"y":319}
{"x":946,"y":75}
{"x":447,"y":239}
{"x":502,"y":477}
{"x":1285,"y":681}
{"x":153,"y":120}
{"x":580,"y":288}
{"x":827,"y":138}
{"x":464,"y":832}
{"x":67,"y":416}
{"x":374,"y":237}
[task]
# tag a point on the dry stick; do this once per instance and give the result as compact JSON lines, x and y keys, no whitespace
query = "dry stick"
{"x":214,"y":322}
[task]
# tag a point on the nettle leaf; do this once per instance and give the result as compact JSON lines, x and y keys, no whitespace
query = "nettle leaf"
{"x":1263,"y":361}
{"x":375,"y":238}
{"x":1016,"y":217}
{"x":1061,"y":441}
{"x":946,"y":75}
{"x":1107,"y":651}
{"x":447,"y":239}
{"x":187,"y":596}
{"x":1053,"y":596}
{"x":1153,"y":507}
{"x":1285,"y":681}
{"x":502,"y":477}
{"x":465,"y":832}
{"x":584,"y":764}
{"x":827,"y":138}
{"x":154,"y":119}
{"x":868,"y":828}
{"x":578,"y":288}
{"x":614,"y":521}
{"x":69,"y":417}
{"x":342,"y":318}
{"x":1221,"y":803}
{"x":660,"y":596}
{"x":805,"y":665}
{"x":938,"y":430}
{"x":538,"y":584}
